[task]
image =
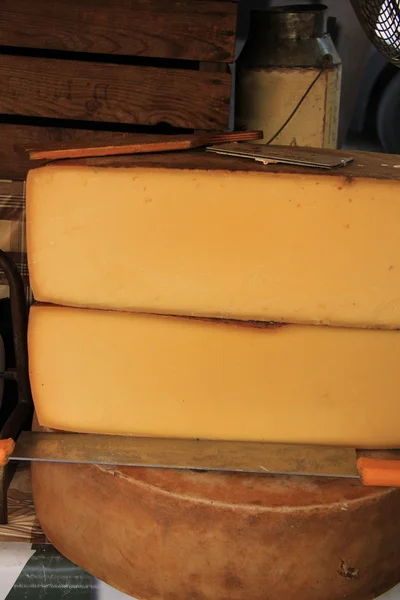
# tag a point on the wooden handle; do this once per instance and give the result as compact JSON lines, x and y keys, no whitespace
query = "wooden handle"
{"x":378,"y":472}
{"x":6,"y":449}
{"x":85,"y":149}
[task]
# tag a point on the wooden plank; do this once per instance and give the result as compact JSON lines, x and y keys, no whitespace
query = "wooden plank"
{"x":14,"y":161}
{"x":139,"y":144}
{"x":15,"y":139}
{"x":214,"y":67}
{"x":185,"y":29}
{"x":83,"y":90}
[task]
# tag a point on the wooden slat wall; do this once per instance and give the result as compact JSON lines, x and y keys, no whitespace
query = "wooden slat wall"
{"x":129,"y":65}
{"x":189,"y":29}
{"x":82,"y":90}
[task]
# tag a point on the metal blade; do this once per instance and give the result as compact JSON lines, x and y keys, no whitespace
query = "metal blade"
{"x":209,"y":455}
{"x":305,"y":157}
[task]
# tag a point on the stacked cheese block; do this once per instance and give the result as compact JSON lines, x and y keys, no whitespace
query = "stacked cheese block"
{"x":241,"y":248}
{"x":193,"y":295}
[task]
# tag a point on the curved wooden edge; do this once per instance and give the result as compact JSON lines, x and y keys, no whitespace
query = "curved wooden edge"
{"x":377,"y":472}
{"x":6,"y":449}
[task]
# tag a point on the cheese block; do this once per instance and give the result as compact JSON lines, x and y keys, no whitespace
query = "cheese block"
{"x":201,"y":235}
{"x":152,"y":375}
{"x":159,"y":534}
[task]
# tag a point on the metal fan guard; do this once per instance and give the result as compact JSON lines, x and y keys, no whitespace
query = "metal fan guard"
{"x":380,"y":20}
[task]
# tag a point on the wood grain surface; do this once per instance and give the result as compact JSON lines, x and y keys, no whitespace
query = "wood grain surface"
{"x":137,"y":145}
{"x":186,"y":29}
{"x":14,"y":161}
{"x":16,"y":139}
{"x":368,"y":165}
{"x":92,"y":91}
{"x":23,"y":525}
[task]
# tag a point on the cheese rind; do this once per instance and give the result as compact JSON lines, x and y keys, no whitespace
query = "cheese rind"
{"x":125,"y":373}
{"x":161,"y":534}
{"x":309,"y":247}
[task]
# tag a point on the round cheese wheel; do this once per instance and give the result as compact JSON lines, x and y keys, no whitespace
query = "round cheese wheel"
{"x":161,"y":534}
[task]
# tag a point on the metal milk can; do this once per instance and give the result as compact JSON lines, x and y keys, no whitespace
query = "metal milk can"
{"x":288,"y":77}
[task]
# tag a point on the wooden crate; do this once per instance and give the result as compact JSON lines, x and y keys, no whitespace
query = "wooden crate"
{"x":189,"y":29}
{"x":119,"y":64}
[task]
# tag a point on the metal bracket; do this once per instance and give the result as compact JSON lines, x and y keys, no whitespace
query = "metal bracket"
{"x":21,"y":417}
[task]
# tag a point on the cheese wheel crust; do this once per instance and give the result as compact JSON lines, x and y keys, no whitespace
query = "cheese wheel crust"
{"x":160,"y":534}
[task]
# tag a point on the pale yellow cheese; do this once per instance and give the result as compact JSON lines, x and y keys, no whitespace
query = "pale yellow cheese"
{"x":126,"y":373}
{"x":306,"y":247}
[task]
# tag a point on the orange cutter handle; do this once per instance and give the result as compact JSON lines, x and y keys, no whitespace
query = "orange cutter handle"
{"x":373,"y":471}
{"x":6,"y":449}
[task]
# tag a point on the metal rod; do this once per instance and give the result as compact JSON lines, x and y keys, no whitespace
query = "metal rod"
{"x":6,"y":474}
{"x":9,"y":375}
{"x":19,"y":315}
{"x":21,"y":416}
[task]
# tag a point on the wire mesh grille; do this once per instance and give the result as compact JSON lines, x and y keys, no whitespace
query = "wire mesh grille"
{"x":381,"y":21}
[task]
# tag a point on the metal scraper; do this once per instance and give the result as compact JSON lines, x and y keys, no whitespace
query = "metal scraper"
{"x":373,"y":468}
{"x":320,"y":158}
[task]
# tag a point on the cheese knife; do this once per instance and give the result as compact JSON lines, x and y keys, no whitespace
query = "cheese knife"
{"x":373,"y":468}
